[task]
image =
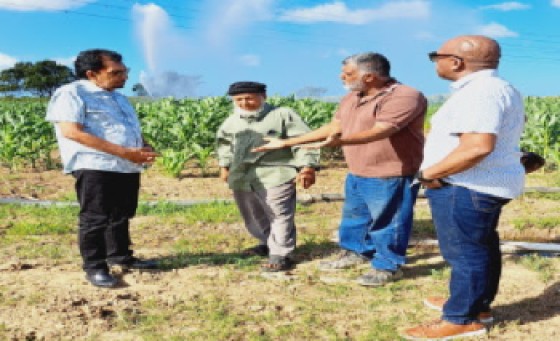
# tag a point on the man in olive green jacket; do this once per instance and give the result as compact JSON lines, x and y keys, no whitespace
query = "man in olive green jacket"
{"x":263,"y":183}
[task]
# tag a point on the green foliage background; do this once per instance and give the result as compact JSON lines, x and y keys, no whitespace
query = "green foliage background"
{"x":184,"y":130}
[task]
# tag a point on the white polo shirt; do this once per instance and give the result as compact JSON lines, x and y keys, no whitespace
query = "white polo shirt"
{"x":482,"y":102}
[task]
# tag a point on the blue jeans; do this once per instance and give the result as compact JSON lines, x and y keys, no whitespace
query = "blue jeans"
{"x":377,"y":219}
{"x":466,"y":223}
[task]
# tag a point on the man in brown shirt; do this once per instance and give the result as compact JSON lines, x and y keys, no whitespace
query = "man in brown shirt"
{"x":379,"y":125}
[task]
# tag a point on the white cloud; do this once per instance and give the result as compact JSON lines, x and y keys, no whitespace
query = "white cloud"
{"x":235,"y":15}
{"x":6,"y":61}
{"x":338,"y":12}
{"x":496,"y":30}
{"x":555,"y":3}
{"x":42,"y":5}
{"x":250,"y":60}
{"x":161,"y":42}
{"x":170,"y":83}
{"x":508,"y":6}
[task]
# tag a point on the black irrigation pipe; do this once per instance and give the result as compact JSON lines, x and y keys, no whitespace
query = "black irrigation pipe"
{"x":546,"y":249}
{"x":303,"y":198}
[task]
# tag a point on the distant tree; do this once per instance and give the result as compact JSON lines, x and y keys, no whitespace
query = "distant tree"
{"x":40,"y":78}
{"x":140,"y":90}
{"x":310,"y":92}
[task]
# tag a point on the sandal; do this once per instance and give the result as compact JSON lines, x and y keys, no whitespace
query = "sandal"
{"x":258,"y":250}
{"x":277,"y":263}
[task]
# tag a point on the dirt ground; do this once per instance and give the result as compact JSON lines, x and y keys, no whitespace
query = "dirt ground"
{"x":53,"y":185}
{"x":45,"y":300}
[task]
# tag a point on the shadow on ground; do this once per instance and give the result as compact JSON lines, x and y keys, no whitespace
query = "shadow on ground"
{"x":532,"y":309}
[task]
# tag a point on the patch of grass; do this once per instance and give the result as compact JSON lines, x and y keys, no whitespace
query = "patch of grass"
{"x":541,"y":178}
{"x":385,"y":330}
{"x":35,"y":298}
{"x":39,"y":228}
{"x":218,"y":212}
{"x":203,"y":318}
{"x":542,"y":265}
{"x":338,"y":291}
{"x":539,"y":195}
{"x":441,"y":274}
{"x":3,"y":331}
{"x":37,"y":220}
{"x":312,"y":245}
{"x":423,"y":228}
{"x":181,"y":260}
{"x":69,"y":196}
{"x":37,"y":250}
{"x":523,"y":223}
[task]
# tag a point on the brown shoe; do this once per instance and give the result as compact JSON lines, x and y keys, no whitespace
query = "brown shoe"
{"x":437,"y":302}
{"x":443,"y":330}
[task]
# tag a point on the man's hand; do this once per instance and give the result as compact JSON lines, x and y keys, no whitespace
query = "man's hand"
{"x":141,"y":156}
{"x":532,"y":162}
{"x":148,"y":147}
{"x":431,"y":184}
{"x":224,"y":174}
{"x":333,"y":140}
{"x":273,"y":144}
{"x":428,"y":181}
{"x":306,"y":177}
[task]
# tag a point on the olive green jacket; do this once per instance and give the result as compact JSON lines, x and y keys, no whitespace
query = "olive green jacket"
{"x":249,"y":171}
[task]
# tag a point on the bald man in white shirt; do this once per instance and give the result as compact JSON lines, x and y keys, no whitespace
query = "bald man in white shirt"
{"x":471,"y":169}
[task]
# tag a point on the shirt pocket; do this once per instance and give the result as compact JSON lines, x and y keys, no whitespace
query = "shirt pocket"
{"x":102,"y":123}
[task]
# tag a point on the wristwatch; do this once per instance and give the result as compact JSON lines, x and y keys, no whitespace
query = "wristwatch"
{"x":421,"y":178}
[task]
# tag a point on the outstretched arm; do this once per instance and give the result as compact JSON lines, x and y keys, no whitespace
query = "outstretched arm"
{"x":319,"y":134}
{"x":379,"y":131}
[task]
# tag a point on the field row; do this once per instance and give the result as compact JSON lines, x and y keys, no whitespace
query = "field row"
{"x":184,"y":130}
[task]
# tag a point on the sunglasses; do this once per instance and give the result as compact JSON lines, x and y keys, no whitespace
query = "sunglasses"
{"x":434,"y":56}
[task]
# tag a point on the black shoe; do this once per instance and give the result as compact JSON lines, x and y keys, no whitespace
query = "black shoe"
{"x":135,"y":263}
{"x":101,"y":278}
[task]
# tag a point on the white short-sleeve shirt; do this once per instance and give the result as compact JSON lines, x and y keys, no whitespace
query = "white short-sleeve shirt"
{"x":482,"y":102}
{"x":105,"y":114}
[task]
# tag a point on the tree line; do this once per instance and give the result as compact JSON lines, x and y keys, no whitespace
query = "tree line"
{"x":41,"y":79}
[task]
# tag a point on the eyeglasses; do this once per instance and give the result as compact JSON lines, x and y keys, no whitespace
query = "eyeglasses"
{"x":434,"y":56}
{"x":120,"y":72}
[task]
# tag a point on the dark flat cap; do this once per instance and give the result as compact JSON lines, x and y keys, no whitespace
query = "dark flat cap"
{"x":246,"y":88}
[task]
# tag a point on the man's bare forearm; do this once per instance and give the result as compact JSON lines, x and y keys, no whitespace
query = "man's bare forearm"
{"x":472,"y":149}
{"x":378,"y":132}
{"x":75,"y":132}
{"x":95,"y":142}
{"x":318,"y":134}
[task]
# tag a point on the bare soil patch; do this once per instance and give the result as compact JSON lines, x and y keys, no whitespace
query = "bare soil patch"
{"x":210,"y":293}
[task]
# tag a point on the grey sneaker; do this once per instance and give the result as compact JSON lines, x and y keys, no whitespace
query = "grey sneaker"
{"x":345,"y":260}
{"x":376,"y":277}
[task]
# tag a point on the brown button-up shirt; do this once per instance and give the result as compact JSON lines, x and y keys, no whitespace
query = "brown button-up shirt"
{"x":398,"y":155}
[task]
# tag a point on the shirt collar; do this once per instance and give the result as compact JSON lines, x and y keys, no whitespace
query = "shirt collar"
{"x":461,"y":82}
{"x":267,"y":107}
{"x":391,"y":85}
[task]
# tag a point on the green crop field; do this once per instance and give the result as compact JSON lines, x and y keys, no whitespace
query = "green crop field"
{"x":184,"y":130}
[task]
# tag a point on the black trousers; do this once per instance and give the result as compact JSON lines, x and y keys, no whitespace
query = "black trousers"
{"x":107,"y":201}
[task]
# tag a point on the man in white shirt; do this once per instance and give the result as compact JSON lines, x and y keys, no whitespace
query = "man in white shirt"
{"x":471,"y":169}
{"x":101,"y":145}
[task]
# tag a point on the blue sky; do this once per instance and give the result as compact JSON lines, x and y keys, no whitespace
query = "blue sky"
{"x":199,"y":47}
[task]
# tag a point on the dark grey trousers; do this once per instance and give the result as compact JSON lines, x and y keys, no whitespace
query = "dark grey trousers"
{"x":269,"y":216}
